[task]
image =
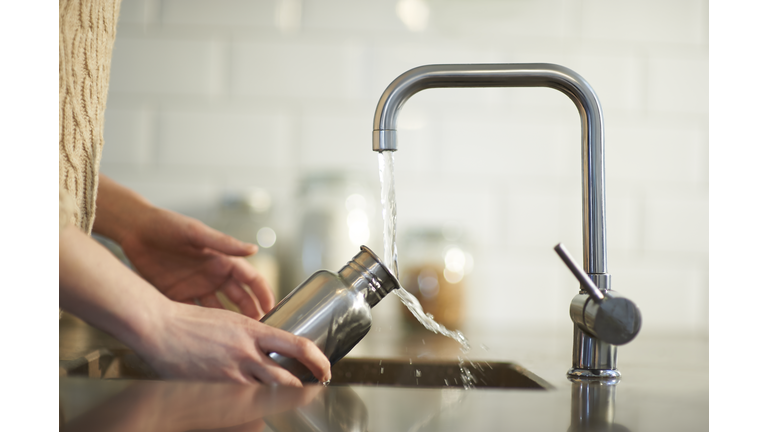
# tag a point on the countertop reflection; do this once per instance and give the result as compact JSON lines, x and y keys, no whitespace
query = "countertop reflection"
{"x":125,"y":405}
{"x":664,"y":388}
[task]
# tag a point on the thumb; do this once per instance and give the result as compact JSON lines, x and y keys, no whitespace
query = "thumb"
{"x":207,"y":237}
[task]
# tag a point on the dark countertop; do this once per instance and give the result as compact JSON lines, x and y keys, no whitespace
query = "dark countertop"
{"x":665,"y":387}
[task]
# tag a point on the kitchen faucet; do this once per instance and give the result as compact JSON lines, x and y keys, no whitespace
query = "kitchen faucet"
{"x":593,"y":356}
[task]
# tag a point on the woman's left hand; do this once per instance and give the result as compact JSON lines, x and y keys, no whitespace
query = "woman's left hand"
{"x":187,"y":261}
{"x":182,"y":257}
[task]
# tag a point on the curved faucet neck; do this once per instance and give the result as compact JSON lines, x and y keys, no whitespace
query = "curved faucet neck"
{"x":519,"y":75}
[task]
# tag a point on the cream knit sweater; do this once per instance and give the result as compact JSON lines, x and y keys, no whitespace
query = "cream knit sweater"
{"x":86,"y":37}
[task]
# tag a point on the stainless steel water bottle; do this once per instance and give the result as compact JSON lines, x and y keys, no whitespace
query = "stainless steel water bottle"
{"x":333,"y":310}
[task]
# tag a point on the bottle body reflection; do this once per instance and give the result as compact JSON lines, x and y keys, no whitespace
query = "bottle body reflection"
{"x":333,"y":409}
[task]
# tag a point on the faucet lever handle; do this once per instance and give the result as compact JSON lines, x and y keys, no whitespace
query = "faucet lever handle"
{"x":581,"y":275}
{"x":608,"y":316}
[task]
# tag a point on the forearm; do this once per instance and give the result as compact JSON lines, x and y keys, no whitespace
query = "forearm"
{"x":95,"y":286}
{"x":119,"y":209}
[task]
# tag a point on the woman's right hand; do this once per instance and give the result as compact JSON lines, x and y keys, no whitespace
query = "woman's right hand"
{"x":215,"y":344}
{"x":178,"y":340}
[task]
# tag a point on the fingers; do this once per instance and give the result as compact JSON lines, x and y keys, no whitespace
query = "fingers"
{"x":302,"y":349}
{"x":247,"y":275}
{"x":203,"y":236}
{"x":244,"y":300}
{"x":269,"y":372}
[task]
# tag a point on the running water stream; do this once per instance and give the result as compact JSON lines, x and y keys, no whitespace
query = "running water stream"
{"x":387,"y":177}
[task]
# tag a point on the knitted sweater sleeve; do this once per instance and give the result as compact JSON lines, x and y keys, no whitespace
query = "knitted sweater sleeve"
{"x":86,"y":36}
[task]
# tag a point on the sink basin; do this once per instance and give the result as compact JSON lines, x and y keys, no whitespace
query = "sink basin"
{"x":123,"y":364}
{"x":433,"y":374}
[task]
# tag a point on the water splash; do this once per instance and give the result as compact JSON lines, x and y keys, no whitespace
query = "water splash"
{"x":413,"y":305}
{"x":389,"y":213}
{"x":467,"y":379}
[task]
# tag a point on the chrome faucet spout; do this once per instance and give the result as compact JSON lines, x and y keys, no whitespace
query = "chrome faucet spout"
{"x":591,"y":356}
{"x":519,"y":75}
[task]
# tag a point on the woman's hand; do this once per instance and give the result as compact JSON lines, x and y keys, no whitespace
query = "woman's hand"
{"x":176,"y":339}
{"x":214,"y":344}
{"x":182,"y":257}
{"x":188,"y":261}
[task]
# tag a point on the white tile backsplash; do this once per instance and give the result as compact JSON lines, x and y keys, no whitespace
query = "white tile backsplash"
{"x":141,"y":12}
{"x":650,"y":21}
{"x":619,"y":78}
{"x":213,"y":96}
{"x":551,"y":19}
{"x":678,"y":83}
{"x":654,"y":156}
{"x":251,"y":13}
{"x":244,"y":140}
{"x":676,"y":223}
{"x":306,"y":69}
{"x":336,"y":139}
{"x":130,"y":136}
{"x":351,"y":15}
{"x":670,"y":298}
{"x":151,"y":66}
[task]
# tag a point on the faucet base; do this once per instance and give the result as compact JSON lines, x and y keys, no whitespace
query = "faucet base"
{"x":592,"y":358}
{"x":577,"y":374}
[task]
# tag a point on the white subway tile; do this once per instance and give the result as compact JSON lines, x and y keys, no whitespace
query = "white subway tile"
{"x":139,"y":12}
{"x":177,"y":190}
{"x":304,"y":70}
{"x":676,"y":223}
{"x":494,"y":143}
{"x":525,"y":293}
{"x":678,"y":84}
{"x":538,"y":221}
{"x":240,"y":140}
{"x":417,"y":141}
{"x":669,"y":296}
{"x":526,"y":19}
{"x":624,"y":220}
{"x":618,"y":79}
{"x":256,"y":13}
{"x":168,"y":66}
{"x":680,"y":21}
{"x":355,"y":15}
{"x":430,"y":201}
{"x":336,"y":139}
{"x":647,"y":154}
{"x":128,"y":136}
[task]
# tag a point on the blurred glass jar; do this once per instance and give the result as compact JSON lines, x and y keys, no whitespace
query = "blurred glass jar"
{"x":337,"y":212}
{"x":246,"y":216}
{"x":434,"y":264}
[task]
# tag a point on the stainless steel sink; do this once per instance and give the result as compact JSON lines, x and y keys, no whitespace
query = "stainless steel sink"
{"x":87,"y":352}
{"x":123,"y":364}
{"x":434,"y":374}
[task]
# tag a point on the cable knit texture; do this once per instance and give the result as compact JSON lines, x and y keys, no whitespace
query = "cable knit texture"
{"x":86,"y":37}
